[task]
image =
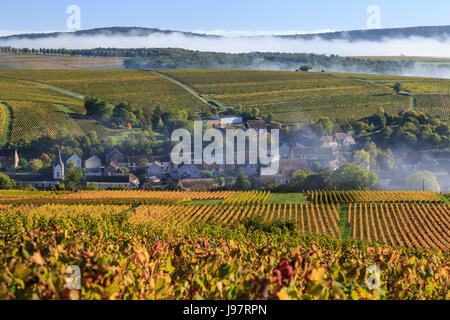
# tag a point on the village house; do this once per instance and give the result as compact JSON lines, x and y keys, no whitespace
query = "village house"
{"x":93,"y":166}
{"x":157,"y":169}
{"x":250,"y":170}
{"x":113,"y":170}
{"x":229,"y":120}
{"x":328,"y":142}
{"x":285,"y":151}
{"x":75,"y":159}
{"x":288,"y":166}
{"x":184,"y":171}
{"x":151,"y":182}
{"x":345,"y":140}
{"x":44,"y":181}
{"x":115,"y":156}
{"x":309,"y":155}
{"x":272,"y":179}
{"x":259,"y":125}
{"x":216,"y":124}
{"x":127,"y":182}
{"x":134,"y":162}
{"x":215,"y":169}
{"x":131,"y":162}
{"x":9,"y":158}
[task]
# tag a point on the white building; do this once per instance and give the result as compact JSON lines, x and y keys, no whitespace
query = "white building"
{"x":74,"y":159}
{"x":58,"y":167}
{"x":93,"y":166}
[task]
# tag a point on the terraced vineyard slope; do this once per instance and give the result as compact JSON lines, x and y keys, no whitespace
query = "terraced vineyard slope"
{"x":294,"y":96}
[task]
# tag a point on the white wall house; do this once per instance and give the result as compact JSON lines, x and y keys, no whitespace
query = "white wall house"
{"x":75,"y":159}
{"x":230,"y":120}
{"x":93,"y":166}
{"x":155,"y":169}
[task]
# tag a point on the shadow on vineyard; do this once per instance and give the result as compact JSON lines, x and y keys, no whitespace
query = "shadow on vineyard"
{"x":275,"y":226}
{"x":344,"y":227}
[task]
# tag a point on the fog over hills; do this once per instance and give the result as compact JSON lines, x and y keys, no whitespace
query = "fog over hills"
{"x":430,"y":41}
{"x":441,"y":33}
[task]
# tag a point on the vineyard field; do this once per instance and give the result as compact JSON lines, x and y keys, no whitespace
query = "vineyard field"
{"x":12,"y":90}
{"x":416,"y":226}
{"x":109,"y":197}
{"x":346,"y":197}
{"x":122,"y":261}
{"x":45,"y":120}
{"x":411,"y":84}
{"x":437,"y":105}
{"x":138,"y":87}
{"x":164,"y":245}
{"x":293,"y":95}
{"x":441,"y":86}
{"x":288,"y":96}
{"x":4,"y":119}
{"x":56,"y":210}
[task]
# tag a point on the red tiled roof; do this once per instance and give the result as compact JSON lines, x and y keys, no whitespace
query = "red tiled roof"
{"x":114,"y":165}
{"x":256,"y":124}
{"x":312,"y":150}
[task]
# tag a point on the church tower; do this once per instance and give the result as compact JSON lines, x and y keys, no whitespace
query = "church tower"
{"x":58,"y":167}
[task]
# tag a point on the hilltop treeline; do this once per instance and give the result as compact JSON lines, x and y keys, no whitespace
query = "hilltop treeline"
{"x":436,"y":32}
{"x":186,"y":59}
{"x":145,"y":58}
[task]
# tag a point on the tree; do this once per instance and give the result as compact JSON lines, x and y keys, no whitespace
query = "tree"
{"x":142,"y":163}
{"x":241,"y":182}
{"x":23,"y":163}
{"x":254,"y":184}
{"x":125,"y":170}
{"x":319,"y":180}
{"x":160,"y":124}
{"x":423,"y":180}
{"x":379,"y":118}
{"x":73,"y":176}
{"x":323,"y":126}
{"x":36,"y":165}
{"x":255,"y":113}
{"x":397,"y":88}
{"x":46,"y":158}
{"x":209,"y":174}
{"x":305,"y":68}
{"x":353,"y":177}
{"x":97,"y":108}
{"x":386,"y":160}
{"x":316,"y":166}
{"x":361,"y":156}
{"x":298,"y":178}
{"x":6,"y":182}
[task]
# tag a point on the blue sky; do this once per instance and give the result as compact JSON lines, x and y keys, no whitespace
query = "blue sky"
{"x":206,"y":15}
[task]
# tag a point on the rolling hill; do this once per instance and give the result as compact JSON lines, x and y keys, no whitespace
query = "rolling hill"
{"x":437,"y":32}
{"x":47,"y":103}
